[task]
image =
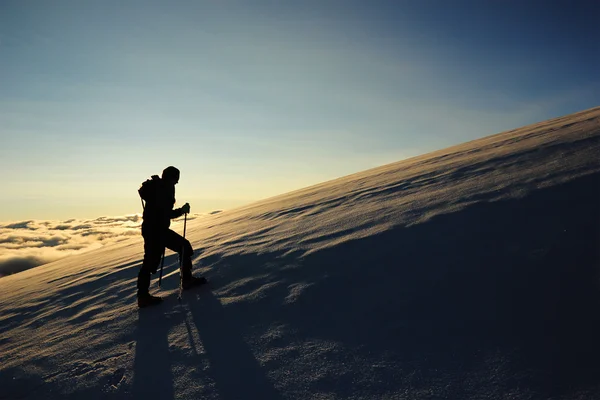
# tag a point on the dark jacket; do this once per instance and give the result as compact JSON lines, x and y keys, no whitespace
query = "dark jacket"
{"x":159,"y":211}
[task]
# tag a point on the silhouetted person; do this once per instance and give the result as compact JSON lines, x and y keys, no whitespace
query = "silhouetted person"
{"x":159,"y":194}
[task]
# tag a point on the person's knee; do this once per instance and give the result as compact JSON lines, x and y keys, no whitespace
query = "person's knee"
{"x":151,"y":261}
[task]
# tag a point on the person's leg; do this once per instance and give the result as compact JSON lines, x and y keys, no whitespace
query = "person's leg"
{"x":153,"y":252}
{"x":181,"y":245}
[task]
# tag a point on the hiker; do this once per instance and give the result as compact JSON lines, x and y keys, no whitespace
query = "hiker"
{"x":159,"y":194}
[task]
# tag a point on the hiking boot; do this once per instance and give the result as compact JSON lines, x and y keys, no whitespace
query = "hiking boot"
{"x":192,"y":282}
{"x":146,"y":300}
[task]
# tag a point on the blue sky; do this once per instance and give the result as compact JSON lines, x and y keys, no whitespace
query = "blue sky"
{"x":255,"y":98}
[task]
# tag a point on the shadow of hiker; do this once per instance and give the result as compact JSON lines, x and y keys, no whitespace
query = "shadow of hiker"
{"x":236,"y":372}
{"x":152,"y":377}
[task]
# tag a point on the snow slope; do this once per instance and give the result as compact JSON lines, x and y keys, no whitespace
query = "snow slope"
{"x":467,"y":273}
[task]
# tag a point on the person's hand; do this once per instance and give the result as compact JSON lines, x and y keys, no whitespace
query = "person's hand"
{"x":186,"y":208}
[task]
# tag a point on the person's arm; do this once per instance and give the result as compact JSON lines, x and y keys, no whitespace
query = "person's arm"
{"x":178,"y":212}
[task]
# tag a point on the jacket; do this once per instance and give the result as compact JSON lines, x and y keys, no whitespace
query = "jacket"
{"x":158,"y":210}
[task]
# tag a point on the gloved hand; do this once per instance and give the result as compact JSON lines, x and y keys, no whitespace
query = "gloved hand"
{"x":186,"y":208}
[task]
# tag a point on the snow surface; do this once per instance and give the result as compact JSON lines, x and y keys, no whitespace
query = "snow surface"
{"x":467,"y":273}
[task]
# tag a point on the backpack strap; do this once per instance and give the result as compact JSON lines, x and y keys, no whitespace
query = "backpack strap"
{"x":152,"y":179}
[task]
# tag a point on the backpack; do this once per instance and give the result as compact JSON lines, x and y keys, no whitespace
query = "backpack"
{"x":148,"y":188}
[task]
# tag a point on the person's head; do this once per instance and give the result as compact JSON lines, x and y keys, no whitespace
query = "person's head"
{"x":171,"y":175}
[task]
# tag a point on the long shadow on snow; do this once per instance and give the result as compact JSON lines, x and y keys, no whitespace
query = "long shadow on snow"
{"x":234,"y":369}
{"x":152,"y":376}
{"x":516,"y":277}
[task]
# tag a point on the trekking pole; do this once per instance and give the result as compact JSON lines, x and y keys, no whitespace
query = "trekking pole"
{"x":181,"y":261}
{"x":162,"y":264}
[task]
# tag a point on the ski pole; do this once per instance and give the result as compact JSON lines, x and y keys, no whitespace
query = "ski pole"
{"x":181,"y":260}
{"x":162,"y":264}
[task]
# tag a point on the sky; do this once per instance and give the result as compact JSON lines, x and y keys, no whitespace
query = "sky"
{"x":251,"y":99}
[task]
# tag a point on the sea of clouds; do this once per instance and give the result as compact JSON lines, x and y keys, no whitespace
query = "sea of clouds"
{"x":31,"y":243}
{"x":28,"y":244}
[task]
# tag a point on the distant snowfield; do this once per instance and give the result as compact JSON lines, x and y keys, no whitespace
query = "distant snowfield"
{"x":467,"y":273}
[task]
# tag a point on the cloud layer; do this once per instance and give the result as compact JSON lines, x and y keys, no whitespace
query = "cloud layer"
{"x":28,"y":244}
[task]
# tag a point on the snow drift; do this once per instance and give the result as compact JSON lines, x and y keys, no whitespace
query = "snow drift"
{"x":470,"y":272}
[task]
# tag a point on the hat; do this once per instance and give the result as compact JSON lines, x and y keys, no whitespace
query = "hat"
{"x":170,"y":173}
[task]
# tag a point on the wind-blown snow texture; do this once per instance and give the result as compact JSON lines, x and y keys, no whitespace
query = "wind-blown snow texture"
{"x":467,"y":273}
